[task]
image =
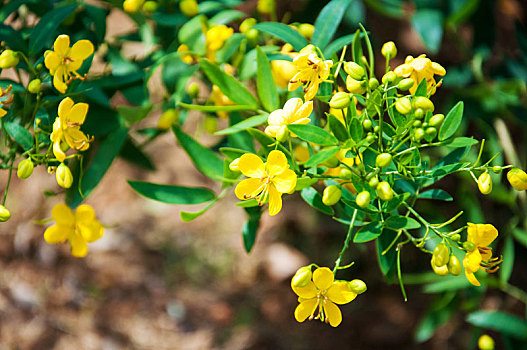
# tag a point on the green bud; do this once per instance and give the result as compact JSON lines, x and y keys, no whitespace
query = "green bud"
{"x":456,"y":237}
{"x":252,"y":35}
{"x":485,"y":183}
{"x":417,"y":123}
{"x":345,"y":173}
{"x":373,"y":83}
{"x":357,"y":286}
{"x":189,"y":8}
{"x":485,"y":342}
{"x":403,"y":105}
{"x":389,"y":77}
{"x":469,"y":246}
{"x":34,"y":86}
{"x":340,"y":100}
{"x":306,"y":30}
{"x":302,"y":277}
{"x":150,"y":6}
{"x":383,"y":160}
{"x":168,"y":118}
{"x":331,"y":162}
{"x":8,"y":59}
{"x":424,"y":103}
{"x":363,"y":199}
{"x":496,"y":169}
{"x":441,"y":255}
{"x":389,"y":50}
{"x":354,"y":86}
{"x":370,"y":138}
{"x":419,"y":134}
{"x":518,"y":179}
{"x":384,"y":191}
{"x":431,"y":133}
{"x":331,"y":195}
{"x":373,"y":182}
{"x":405,"y":84}
{"x":419,"y":113}
{"x":211,"y":124}
{"x":439,"y":270}
{"x":64,"y":176}
{"x":25,"y":169}
{"x":454,"y":266}
{"x":246,"y":24}
{"x":283,"y":134}
{"x":354,"y":70}
{"x":376,"y":129}
{"x":436,"y":120}
{"x":367,"y":124}
{"x":4,"y":214}
{"x":233,"y":166}
{"x":193,"y":90}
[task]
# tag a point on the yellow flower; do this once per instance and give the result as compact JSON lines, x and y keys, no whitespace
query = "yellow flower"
{"x":322,"y":293}
{"x":220,"y":99}
{"x":481,"y":235}
{"x":132,"y":6}
{"x":7,"y":100}
{"x":78,"y":228}
{"x":64,"y":62}
{"x":215,"y":38}
{"x":266,"y":181}
{"x":311,"y":72}
{"x":185,"y":57}
{"x":283,"y":70}
{"x":419,"y":68}
{"x":294,"y":112}
{"x":66,"y":128}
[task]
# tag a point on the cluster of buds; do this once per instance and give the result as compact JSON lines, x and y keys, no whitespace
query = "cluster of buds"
{"x":443,"y":262}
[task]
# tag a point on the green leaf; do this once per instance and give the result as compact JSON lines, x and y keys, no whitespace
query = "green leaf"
{"x":508,"y":260}
{"x":283,"y":32}
{"x":265,"y":82}
{"x":398,"y":222}
{"x":451,"y":122}
{"x":311,"y":133}
{"x":337,"y":128}
{"x":172,"y":194}
{"x":216,"y":108}
{"x":188,"y":216}
{"x":368,"y":233}
{"x":338,"y":44}
{"x":205,"y":160}
{"x":321,"y":156}
{"x":12,"y":38}
{"x":248,"y":203}
{"x":356,"y":130}
{"x":245,"y":124}
{"x":422,"y":88}
{"x":133,"y":114}
{"x":133,"y":154}
{"x":44,"y":31}
{"x":99,"y":164}
{"x":20,"y":135}
{"x":231,"y":87}
{"x":356,"y":46}
{"x":433,"y":320}
{"x":436,"y":194}
{"x":232,"y":153}
{"x":226,"y":16}
{"x":229,"y":48}
{"x":461,"y":142}
{"x":499,"y":321}
{"x":313,"y":198}
{"x":267,"y":142}
{"x":190,"y":33}
{"x":386,"y":261}
{"x":370,"y":209}
{"x":250,"y":227}
{"x":328,"y":21}
{"x":304,"y":182}
{"x":429,"y":24}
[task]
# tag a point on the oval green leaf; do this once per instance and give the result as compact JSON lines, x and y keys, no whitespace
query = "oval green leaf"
{"x":172,"y":194}
{"x":452,"y":121}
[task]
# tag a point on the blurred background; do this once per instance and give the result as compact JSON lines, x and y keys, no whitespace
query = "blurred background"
{"x":154,"y":281}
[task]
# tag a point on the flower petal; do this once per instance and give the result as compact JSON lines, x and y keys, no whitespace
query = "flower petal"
{"x":305,"y":309}
{"x":58,"y":80}
{"x":62,"y":44}
{"x":304,"y":111}
{"x":81,"y":50}
{"x":285,"y":182}
{"x":340,"y":293}
{"x":248,"y":188}
{"x":79,"y":246}
{"x":472,"y":260}
{"x":91,"y":231}
{"x":76,"y":139}
{"x":275,"y":200}
{"x":403,"y":70}
{"x":65,"y":107}
{"x":276,"y":118}
{"x":323,"y":278}
{"x":52,"y":60}
{"x":481,"y":234}
{"x":84,"y":214}
{"x":272,"y":130}
{"x":63,"y":215}
{"x":58,"y":152}
{"x":472,"y":278}
{"x":276,"y":163}
{"x":291,"y":107}
{"x":333,"y":314}
{"x":251,"y":166}
{"x":307,"y":292}
{"x":57,"y":233}
{"x":78,"y":113}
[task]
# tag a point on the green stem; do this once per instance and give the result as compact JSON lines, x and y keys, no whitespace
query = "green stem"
{"x":346,"y":242}
{"x":8,"y":181}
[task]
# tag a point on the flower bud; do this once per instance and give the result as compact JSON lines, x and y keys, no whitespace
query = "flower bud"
{"x":150,"y":6}
{"x":8,"y":59}
{"x":193,"y":90}
{"x":252,"y":35}
{"x":456,"y":237}
{"x":233,"y":166}
{"x":436,"y":120}
{"x":389,"y":50}
{"x":265,"y":7}
{"x":4,"y":214}
{"x":64,"y":176}
{"x":374,"y":182}
{"x":34,"y":86}
{"x":331,"y":195}
{"x":189,"y":8}
{"x":485,"y":342}
{"x":430,"y":133}
{"x":441,"y":255}
{"x":357,"y":286}
{"x":247,"y":24}
{"x":389,"y":77}
{"x":370,"y":138}
{"x":167,"y":119}
{"x":302,"y":277}
{"x":25,"y":169}
{"x":496,"y":169}
{"x":405,"y":84}
{"x":210,"y":124}
{"x":367,"y":124}
{"x":283,"y":134}
{"x":340,"y":100}
{"x":354,"y":70}
{"x":331,"y":162}
{"x":132,"y":6}
{"x":373,"y":83}
{"x":419,"y":114}
{"x":419,"y":134}
{"x":485,"y":183}
{"x":403,"y":105}
{"x":424,"y":103}
{"x":306,"y":30}
{"x":383,"y":160}
{"x":441,"y":270}
{"x":354,"y":86}
{"x":363,"y":199}
{"x":469,"y":246}
{"x":345,"y":173}
{"x":384,"y":191}
{"x":454,"y":266}
{"x":518,"y":179}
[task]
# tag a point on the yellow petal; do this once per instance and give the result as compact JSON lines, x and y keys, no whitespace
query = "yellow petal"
{"x":248,"y":188}
{"x":307,"y":292}
{"x":323,"y":278}
{"x":79,"y":246}
{"x":276,"y":118}
{"x":340,"y":293}
{"x":91,"y":231}
{"x":73,"y":66}
{"x":304,"y":111}
{"x":291,"y":106}
{"x":81,"y":50}
{"x":481,"y":234}
{"x":275,"y":200}
{"x":3,"y":112}
{"x":285,"y":182}
{"x":438,"y":69}
{"x":65,"y":107}
{"x":78,"y":113}
{"x":61,"y":45}
{"x":305,"y":309}
{"x":251,"y":166}
{"x":58,"y":152}
{"x":276,"y":163}
{"x":63,"y":215}
{"x":312,"y":91}
{"x":403,"y":70}
{"x":59,"y":81}
{"x":52,"y":60}
{"x":472,"y":261}
{"x":76,"y":139}
{"x":57,"y":233}
{"x":472,"y":279}
{"x":272,"y":130}
{"x":333,"y":313}
{"x":84,"y":214}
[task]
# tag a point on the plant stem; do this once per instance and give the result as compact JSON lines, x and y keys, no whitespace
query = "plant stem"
{"x":346,"y":242}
